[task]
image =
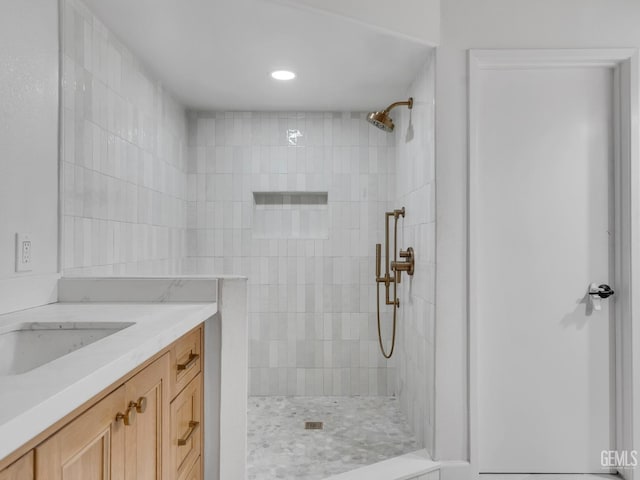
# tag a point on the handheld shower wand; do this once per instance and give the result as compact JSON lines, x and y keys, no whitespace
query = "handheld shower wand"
{"x":407,"y":265}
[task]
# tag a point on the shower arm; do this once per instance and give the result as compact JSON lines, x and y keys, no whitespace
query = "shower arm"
{"x":408,"y":103}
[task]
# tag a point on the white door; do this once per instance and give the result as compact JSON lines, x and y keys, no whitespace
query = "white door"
{"x":544,"y":231}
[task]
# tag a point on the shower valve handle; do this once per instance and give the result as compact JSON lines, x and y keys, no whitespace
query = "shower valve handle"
{"x":407,"y":265}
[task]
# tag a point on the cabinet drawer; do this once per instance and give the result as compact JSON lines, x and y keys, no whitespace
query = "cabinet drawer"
{"x":195,"y":472}
{"x":186,"y":428}
{"x":186,"y":360}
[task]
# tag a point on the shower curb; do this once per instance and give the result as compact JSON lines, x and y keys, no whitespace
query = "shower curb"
{"x":412,"y":466}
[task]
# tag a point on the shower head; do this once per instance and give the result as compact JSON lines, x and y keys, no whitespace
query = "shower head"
{"x":382,"y":120}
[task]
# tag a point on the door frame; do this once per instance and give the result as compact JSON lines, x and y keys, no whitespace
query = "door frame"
{"x":624,"y":63}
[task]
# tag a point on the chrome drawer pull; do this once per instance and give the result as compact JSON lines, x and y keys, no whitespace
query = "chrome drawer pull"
{"x":193,"y":426}
{"x":189,"y":363}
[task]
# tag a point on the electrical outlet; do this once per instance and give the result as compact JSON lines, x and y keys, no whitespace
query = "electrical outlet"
{"x":24,"y":256}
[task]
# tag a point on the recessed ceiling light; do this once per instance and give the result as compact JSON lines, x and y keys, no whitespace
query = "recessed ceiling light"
{"x":283,"y":75}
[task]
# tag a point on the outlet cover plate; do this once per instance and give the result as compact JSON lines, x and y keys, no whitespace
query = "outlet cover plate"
{"x":24,"y":254}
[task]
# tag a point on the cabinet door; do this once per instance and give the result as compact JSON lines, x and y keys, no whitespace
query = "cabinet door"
{"x":195,"y":473}
{"x":19,"y":470}
{"x":147,"y":437}
{"x":90,"y":448}
{"x":186,"y":428}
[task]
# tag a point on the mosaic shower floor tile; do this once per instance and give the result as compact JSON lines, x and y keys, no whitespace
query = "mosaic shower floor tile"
{"x":356,"y":431}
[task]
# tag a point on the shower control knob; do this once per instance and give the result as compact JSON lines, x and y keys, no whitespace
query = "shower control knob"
{"x":407,"y":264}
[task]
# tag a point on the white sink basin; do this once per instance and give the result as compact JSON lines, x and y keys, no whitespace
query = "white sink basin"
{"x":26,"y":346}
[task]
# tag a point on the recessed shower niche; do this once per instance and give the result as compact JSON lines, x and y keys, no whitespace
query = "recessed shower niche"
{"x":290,"y":215}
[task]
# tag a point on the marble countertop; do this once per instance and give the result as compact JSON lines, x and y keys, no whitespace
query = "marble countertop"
{"x":33,"y":401}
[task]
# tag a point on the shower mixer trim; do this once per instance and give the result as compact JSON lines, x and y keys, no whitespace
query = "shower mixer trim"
{"x":407,"y":265}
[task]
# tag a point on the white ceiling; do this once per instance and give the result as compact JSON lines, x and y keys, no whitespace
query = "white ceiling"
{"x":416,"y":19}
{"x":218,"y":54}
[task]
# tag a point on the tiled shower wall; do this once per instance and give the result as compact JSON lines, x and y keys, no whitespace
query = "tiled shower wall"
{"x":311,"y":290}
{"x":123,"y":156}
{"x":415,"y":190}
{"x":134,"y":202}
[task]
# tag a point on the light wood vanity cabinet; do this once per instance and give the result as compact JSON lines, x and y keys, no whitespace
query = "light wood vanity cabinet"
{"x":186,"y":407}
{"x":91,"y":447}
{"x":186,"y":357}
{"x":21,"y":469}
{"x":186,"y":428}
{"x":124,"y":436}
{"x":147,"y":427}
{"x":146,"y":439}
{"x":196,"y":471}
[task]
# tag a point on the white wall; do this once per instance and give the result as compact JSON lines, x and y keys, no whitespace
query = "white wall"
{"x":123,"y":157}
{"x":489,"y":24}
{"x":415,"y":190}
{"x":312,"y":324}
{"x":28,"y":148}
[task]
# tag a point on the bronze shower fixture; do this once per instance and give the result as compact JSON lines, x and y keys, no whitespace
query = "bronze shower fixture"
{"x":382,"y":120}
{"x":406,"y":265}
